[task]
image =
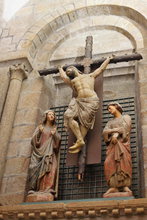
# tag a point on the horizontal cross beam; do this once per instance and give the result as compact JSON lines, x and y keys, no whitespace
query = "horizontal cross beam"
{"x":95,"y":63}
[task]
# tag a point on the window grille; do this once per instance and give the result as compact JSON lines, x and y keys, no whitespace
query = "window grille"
{"x":94,"y":184}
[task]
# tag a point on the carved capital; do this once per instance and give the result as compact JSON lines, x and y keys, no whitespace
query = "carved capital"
{"x":18,"y":72}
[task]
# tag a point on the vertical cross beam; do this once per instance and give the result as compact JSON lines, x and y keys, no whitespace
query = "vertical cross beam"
{"x":88,"y":54}
{"x":87,"y":68}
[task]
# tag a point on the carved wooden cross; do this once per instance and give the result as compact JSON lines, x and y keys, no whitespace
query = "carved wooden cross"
{"x":87,"y":62}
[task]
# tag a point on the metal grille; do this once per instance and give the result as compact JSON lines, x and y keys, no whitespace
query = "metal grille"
{"x":94,"y":184}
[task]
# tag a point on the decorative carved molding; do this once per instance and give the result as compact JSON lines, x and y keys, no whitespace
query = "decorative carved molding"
{"x":79,"y":209}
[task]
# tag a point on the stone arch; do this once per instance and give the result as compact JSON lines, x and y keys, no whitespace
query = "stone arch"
{"x":58,"y":37}
{"x":124,"y":32}
{"x":57,"y":43}
{"x":38,"y":34}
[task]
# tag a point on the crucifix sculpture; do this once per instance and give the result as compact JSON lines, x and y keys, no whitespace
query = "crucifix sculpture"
{"x":85,"y":108}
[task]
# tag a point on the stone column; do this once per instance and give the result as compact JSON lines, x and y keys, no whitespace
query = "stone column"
{"x":17,"y":74}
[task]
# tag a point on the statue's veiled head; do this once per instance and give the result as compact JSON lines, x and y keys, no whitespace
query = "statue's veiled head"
{"x":45,"y":116}
{"x":117,"y":106}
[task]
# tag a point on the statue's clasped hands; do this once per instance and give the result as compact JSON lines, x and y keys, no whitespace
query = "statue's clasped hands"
{"x":41,"y":128}
{"x":114,"y":138}
{"x":53,"y":131}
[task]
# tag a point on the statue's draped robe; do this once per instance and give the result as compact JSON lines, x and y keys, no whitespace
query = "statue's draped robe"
{"x":43,"y":165}
{"x":82,"y":109}
{"x":118,"y":163}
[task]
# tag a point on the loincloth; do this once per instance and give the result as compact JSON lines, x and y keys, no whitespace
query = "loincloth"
{"x":83,"y":110}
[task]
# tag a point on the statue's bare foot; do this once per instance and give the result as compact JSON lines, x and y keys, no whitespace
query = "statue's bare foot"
{"x":79,"y":143}
{"x":76,"y":147}
{"x":31,"y":192}
{"x":126,"y":189}
{"x":112,"y":190}
{"x":75,"y":151}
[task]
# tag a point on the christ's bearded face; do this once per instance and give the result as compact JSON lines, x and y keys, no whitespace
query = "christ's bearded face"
{"x":71,"y":73}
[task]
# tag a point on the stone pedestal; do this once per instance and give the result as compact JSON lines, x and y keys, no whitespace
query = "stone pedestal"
{"x":40,"y":197}
{"x":17,"y":73}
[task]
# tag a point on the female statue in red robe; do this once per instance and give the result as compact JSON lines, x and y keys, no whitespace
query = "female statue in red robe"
{"x":43,"y":165}
{"x":118,"y":163}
